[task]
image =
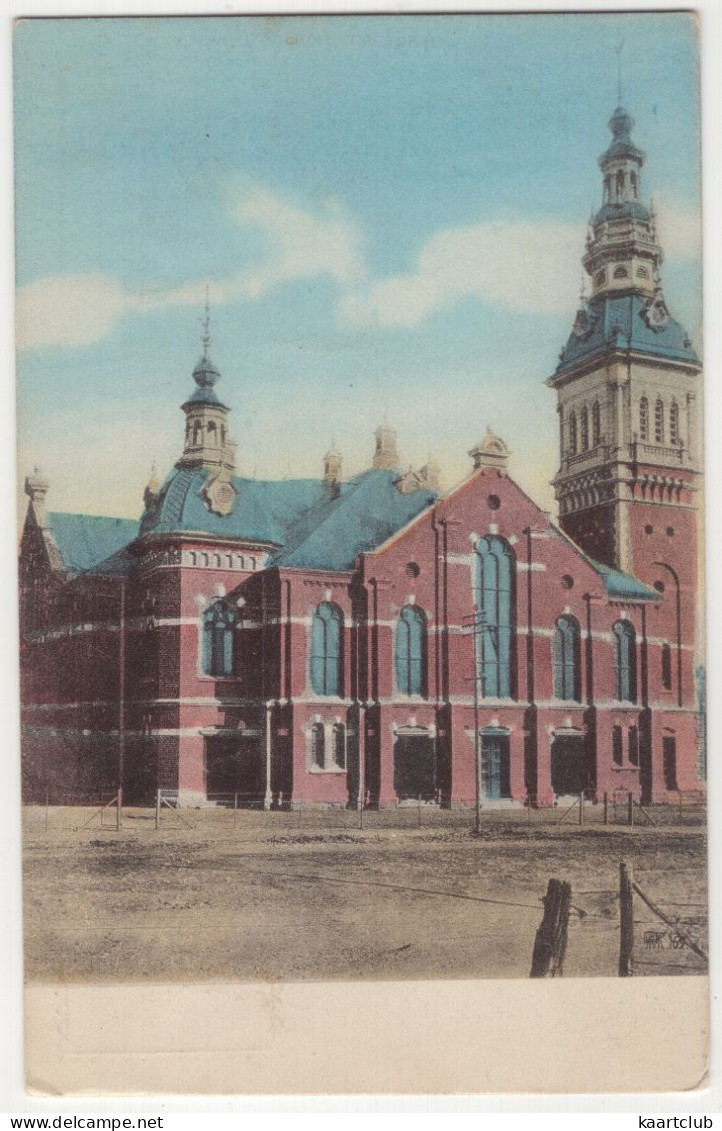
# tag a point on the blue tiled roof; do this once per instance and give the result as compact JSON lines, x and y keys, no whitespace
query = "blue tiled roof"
{"x":622,"y":586}
{"x":85,"y":540}
{"x":368,"y":510}
{"x":623,"y":211}
{"x":312,"y":528}
{"x":263,"y":511}
{"x":617,"y":320}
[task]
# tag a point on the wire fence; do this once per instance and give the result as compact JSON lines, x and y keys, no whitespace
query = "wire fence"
{"x":230,"y":813}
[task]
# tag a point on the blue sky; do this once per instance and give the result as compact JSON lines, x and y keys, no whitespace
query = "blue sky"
{"x":389,"y":213}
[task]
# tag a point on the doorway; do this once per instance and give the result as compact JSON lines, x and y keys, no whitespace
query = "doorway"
{"x":495,"y":766}
{"x":415,"y":766}
{"x":568,"y":764}
{"x":233,"y":765}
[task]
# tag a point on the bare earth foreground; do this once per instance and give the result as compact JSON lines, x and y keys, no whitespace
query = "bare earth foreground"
{"x":263,"y":896}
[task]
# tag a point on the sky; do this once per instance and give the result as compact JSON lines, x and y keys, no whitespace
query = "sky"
{"x":389,"y":213}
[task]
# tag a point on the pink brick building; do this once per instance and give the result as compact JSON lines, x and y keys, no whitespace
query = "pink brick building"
{"x":362,"y":641}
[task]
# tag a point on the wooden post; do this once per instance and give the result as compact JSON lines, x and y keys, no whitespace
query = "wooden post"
{"x":157,"y":808}
{"x":119,"y":810}
{"x":419,"y":821}
{"x":626,"y":918}
{"x":581,"y":808}
{"x":630,"y":810}
{"x":606,"y":808}
{"x":235,"y":807}
{"x":550,"y":944}
{"x":300,"y":812}
{"x":528,"y":808}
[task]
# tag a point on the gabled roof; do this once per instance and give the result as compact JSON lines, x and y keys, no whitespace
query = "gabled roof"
{"x":618,"y":322}
{"x":367,"y":511}
{"x":85,"y":540}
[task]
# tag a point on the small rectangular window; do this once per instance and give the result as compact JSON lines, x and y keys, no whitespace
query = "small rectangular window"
{"x":617,"y":747}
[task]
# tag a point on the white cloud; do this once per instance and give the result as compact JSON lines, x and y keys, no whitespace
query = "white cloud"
{"x":523,"y":266}
{"x":68,"y":310}
{"x":679,"y":230}
{"x":81,"y":309}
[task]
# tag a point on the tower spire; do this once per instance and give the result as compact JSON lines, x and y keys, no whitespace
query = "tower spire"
{"x":618,"y":52}
{"x":206,"y":335}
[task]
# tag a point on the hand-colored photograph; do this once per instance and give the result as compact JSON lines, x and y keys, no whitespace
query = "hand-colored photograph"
{"x":360,"y":498}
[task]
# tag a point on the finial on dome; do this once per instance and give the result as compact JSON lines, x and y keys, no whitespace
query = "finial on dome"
{"x":618,"y":53}
{"x":152,"y":487}
{"x":206,"y":373}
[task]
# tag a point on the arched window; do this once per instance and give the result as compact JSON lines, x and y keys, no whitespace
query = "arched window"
{"x":642,"y":273}
{"x":327,"y":650}
{"x":658,"y":421}
{"x":596,"y":424}
{"x":620,"y":182}
{"x":338,"y":745}
{"x":621,"y":273}
{"x":572,"y":433}
{"x":674,"y":423}
{"x":607,"y":188}
{"x":566,"y":659}
{"x":666,"y":667}
{"x":410,"y":652}
{"x":633,"y":180}
{"x":585,"y":428}
{"x":318,"y":745}
{"x":495,"y":619}
{"x":625,"y":661}
{"x":600,"y":278}
{"x":217,"y":639}
{"x":197,"y":430}
{"x":644,"y":419}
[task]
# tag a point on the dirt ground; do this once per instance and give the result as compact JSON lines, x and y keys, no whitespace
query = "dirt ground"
{"x":259,"y":896}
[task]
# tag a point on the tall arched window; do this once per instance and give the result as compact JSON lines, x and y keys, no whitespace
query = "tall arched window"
{"x":318,"y":745}
{"x":494,"y":599}
{"x":644,"y":419}
{"x":572,"y":433}
{"x":625,"y":661}
{"x":566,"y":659}
{"x":327,"y":650}
{"x":658,"y":421}
{"x":217,"y":639}
{"x":674,"y":423}
{"x":585,"y":429}
{"x":410,"y":652}
{"x":596,"y":424}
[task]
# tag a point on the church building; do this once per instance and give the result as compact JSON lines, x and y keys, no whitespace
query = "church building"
{"x":364,"y":640}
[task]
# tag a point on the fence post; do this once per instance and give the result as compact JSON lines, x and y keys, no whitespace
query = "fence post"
{"x":550,"y":944}
{"x":419,"y":822}
{"x":630,"y":810}
{"x":119,"y":809}
{"x":581,"y":808}
{"x":361,"y":814}
{"x":606,"y":808}
{"x":157,"y":808}
{"x":626,"y":918}
{"x":235,"y":807}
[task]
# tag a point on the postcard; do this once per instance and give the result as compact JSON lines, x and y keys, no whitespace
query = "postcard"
{"x":362,"y":646}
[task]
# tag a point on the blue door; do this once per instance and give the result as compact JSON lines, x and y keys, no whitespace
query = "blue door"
{"x":495,"y":766}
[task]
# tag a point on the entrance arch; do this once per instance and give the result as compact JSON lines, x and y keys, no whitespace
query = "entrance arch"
{"x":415,"y":764}
{"x":569,"y":763}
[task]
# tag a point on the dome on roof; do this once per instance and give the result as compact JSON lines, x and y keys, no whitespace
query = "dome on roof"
{"x":621,"y":122}
{"x":206,"y":373}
